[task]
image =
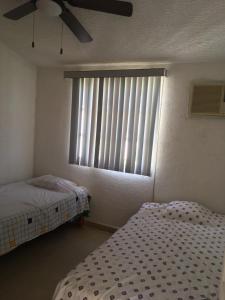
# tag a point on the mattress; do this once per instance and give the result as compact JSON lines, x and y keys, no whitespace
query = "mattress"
{"x":27,"y":212}
{"x":165,"y":252}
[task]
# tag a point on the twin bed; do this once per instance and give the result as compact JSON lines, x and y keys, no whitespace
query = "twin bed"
{"x":27,"y":211}
{"x":165,"y":252}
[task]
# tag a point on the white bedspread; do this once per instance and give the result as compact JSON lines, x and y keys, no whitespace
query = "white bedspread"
{"x":27,"y":212}
{"x":165,"y":252}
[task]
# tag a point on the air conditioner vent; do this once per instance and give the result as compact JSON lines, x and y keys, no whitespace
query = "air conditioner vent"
{"x":208,"y":99}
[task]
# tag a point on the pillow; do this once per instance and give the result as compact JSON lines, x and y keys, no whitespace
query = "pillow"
{"x":187,"y":211}
{"x":53,"y":183}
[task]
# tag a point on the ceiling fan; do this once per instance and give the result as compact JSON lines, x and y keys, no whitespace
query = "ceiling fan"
{"x":59,"y":8}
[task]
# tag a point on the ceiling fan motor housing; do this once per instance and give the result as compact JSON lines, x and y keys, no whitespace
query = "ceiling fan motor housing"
{"x":49,"y":7}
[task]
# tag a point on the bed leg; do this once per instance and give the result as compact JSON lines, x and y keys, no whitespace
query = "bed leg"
{"x":81,"y":221}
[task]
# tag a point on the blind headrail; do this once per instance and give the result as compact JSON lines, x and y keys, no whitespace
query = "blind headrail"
{"x":154,"y":72}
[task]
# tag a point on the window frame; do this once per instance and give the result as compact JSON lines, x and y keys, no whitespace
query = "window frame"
{"x":101,"y":74}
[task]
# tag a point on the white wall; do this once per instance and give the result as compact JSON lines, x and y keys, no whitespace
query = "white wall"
{"x":17,"y":116}
{"x":191,"y":160}
{"x":191,"y":163}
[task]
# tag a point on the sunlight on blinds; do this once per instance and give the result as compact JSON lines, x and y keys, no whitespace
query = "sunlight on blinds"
{"x":115,"y":123}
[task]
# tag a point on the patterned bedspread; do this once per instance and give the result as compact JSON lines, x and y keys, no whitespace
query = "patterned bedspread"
{"x":27,"y":212}
{"x":165,"y":252}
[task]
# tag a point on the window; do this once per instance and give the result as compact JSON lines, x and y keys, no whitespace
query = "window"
{"x":113,"y":119}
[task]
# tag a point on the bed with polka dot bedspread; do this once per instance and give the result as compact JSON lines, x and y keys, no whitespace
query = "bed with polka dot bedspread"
{"x":165,"y":252}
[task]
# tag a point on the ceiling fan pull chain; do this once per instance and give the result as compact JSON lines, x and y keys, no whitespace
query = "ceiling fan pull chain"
{"x":61,"y":40}
{"x":33,"y":42}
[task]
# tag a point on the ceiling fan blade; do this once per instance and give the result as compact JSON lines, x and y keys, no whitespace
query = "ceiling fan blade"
{"x":122,"y":8}
{"x":75,"y":26}
{"x":21,"y":11}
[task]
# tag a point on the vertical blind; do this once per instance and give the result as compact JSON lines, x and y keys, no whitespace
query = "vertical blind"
{"x":113,"y":122}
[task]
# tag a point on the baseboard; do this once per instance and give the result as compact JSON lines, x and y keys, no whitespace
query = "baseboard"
{"x":103,"y":227}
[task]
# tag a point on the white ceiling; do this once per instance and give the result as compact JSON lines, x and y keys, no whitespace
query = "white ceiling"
{"x":160,"y":30}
